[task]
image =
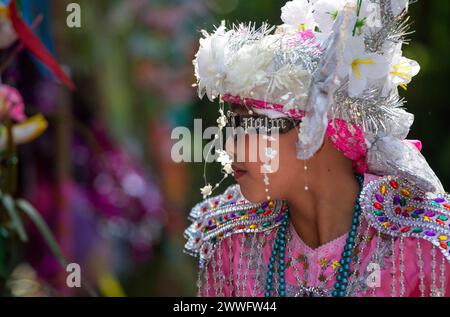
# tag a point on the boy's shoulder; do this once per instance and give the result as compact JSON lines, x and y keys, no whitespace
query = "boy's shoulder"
{"x":222,"y":216}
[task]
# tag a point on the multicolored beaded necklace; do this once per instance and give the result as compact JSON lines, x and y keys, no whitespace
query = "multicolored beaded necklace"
{"x":279,"y":249}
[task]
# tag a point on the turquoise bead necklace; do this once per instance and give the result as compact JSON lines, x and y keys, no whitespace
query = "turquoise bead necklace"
{"x":279,"y":251}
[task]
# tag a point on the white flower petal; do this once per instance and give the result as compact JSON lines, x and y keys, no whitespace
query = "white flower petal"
{"x":356,"y":85}
{"x":206,"y":191}
{"x":298,"y":14}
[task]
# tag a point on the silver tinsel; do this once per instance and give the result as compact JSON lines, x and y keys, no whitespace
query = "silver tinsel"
{"x":394,"y":29}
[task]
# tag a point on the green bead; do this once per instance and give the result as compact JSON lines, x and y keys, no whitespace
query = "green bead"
{"x":403,"y":202}
{"x":378,"y":213}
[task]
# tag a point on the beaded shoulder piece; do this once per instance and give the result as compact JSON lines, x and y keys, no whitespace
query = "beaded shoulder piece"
{"x":221,"y":216}
{"x":399,"y":208}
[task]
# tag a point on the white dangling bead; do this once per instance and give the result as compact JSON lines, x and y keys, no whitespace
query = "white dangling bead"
{"x":306,"y":188}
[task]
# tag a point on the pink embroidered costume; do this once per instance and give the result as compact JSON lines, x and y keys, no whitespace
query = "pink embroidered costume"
{"x":337,"y":71}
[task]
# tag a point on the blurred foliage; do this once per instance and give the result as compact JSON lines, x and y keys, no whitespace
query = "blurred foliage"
{"x":103,"y":55}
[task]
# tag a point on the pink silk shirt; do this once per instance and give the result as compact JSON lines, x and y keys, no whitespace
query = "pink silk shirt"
{"x":389,"y":266}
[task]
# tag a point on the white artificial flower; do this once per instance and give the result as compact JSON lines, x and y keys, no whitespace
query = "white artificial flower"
{"x":298,"y":14}
{"x":326,"y":12}
{"x":267,"y":168}
{"x":398,"y":6}
{"x":222,"y":120}
{"x":206,"y":191}
{"x":210,"y":63}
{"x":228,"y":169}
{"x":224,"y":158}
{"x":361,"y":67}
{"x":401,"y":72}
{"x":248,"y":69}
{"x":271,"y":153}
{"x":292,"y":78}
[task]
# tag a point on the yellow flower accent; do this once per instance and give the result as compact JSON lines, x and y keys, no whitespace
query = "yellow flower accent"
{"x":4,"y":11}
{"x":110,"y":286}
{"x":402,"y":70}
{"x":335,"y":265}
{"x":357,"y":62}
{"x":324,"y":262}
{"x":383,"y":189}
{"x":26,"y":131}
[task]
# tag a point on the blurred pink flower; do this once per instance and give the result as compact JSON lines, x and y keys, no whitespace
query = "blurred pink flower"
{"x":11,"y":103}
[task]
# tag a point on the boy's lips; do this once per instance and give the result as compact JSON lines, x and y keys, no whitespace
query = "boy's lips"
{"x":239,"y":171}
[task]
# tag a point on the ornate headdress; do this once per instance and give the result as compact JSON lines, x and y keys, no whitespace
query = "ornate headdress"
{"x":334,"y":64}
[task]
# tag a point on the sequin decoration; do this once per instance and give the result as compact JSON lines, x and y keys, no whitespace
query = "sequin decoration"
{"x":219,"y":217}
{"x":398,"y":208}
